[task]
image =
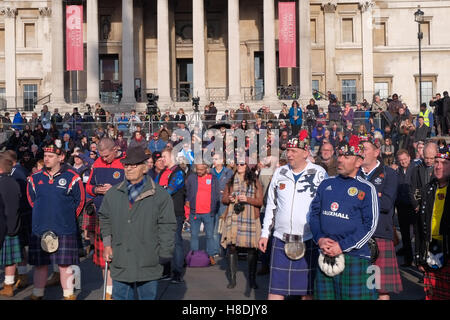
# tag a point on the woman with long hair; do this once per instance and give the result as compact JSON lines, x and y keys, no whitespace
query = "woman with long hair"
{"x":241,"y":225}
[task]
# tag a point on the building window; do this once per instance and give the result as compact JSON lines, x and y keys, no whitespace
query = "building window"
{"x":29,"y":35}
{"x":379,"y":34}
{"x":313,"y":30}
{"x":2,"y":98}
{"x":2,"y":40}
{"x":349,"y":91}
{"x":315,"y":85}
{"x":427,"y":91}
{"x":347,"y":30}
{"x":29,"y":96}
{"x":425,"y":28}
{"x":382,"y":89}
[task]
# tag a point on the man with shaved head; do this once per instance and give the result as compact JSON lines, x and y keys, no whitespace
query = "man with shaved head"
{"x":106,"y":171}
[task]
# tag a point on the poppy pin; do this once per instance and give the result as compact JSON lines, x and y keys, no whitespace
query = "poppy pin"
{"x":361,"y":195}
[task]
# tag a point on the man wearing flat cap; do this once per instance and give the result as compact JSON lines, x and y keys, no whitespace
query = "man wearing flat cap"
{"x":138,"y":223}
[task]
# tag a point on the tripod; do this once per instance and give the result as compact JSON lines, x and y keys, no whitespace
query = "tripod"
{"x":195,"y":120}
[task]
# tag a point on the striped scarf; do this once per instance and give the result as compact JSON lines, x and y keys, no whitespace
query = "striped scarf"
{"x":134,"y":190}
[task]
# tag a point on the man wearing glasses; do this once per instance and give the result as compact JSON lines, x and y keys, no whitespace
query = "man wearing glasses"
{"x":137,"y":221}
{"x":106,"y":171}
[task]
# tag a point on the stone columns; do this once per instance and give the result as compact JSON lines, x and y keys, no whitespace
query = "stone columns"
{"x":163,"y":54}
{"x":128,"y":98}
{"x":46,"y":13}
{"x":329,"y":9}
{"x":10,"y":56}
{"x":57,"y":98}
{"x":305,"y":51}
{"x":92,"y":63}
{"x":198,"y":48}
{"x":367,"y":49}
{"x":234,"y":65}
{"x":270,"y":71}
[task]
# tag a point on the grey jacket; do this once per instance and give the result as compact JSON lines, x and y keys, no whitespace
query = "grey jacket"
{"x":142,"y":235}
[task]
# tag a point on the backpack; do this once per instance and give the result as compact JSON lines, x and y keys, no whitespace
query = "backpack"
{"x":197,"y":259}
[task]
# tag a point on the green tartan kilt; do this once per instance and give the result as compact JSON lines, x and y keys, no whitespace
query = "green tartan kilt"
{"x":11,"y":252}
{"x":351,"y":284}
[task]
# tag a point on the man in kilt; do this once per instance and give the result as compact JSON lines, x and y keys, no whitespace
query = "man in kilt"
{"x":10,"y":250}
{"x":385,"y":181}
{"x":106,"y":171}
{"x":56,"y":195}
{"x":432,"y":250}
{"x":344,"y":216}
{"x":289,"y":195}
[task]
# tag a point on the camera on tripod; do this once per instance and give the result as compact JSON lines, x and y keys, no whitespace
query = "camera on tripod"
{"x":152,"y":106}
{"x":195,"y":103}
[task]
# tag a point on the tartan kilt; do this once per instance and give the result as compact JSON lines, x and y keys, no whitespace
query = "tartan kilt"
{"x":88,"y":222}
{"x":351,"y":284}
{"x":437,"y":283}
{"x":390,"y":280}
{"x":98,"y":246}
{"x":67,"y":253}
{"x":25,"y":229}
{"x":11,"y":251}
{"x":292,"y":277}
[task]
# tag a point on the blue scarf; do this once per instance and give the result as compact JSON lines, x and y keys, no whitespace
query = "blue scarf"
{"x":134,"y":190}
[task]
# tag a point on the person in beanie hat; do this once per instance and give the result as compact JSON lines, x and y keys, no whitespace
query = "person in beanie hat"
{"x":433,"y":232}
{"x":385,"y":181}
{"x":343,"y":218}
{"x":10,"y":250}
{"x":140,"y":242}
{"x":294,"y":255}
{"x":56,"y":195}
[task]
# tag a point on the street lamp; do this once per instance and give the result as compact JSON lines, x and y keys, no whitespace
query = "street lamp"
{"x":418,"y":17}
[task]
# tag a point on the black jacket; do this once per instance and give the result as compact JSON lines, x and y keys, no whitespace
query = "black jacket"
{"x":385,"y":181}
{"x":420,"y":177}
{"x":422,"y":229}
{"x":404,"y":181}
{"x":9,"y":207}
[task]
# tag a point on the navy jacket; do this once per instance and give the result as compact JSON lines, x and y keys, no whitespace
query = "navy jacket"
{"x":56,"y":201}
{"x":385,"y":181}
{"x":191,"y":193}
{"x":345,"y":210}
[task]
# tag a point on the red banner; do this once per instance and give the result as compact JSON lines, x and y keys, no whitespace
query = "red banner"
{"x":287,"y":44}
{"x":74,"y":38}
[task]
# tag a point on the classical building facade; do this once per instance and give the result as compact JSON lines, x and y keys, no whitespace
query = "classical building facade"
{"x":222,"y":51}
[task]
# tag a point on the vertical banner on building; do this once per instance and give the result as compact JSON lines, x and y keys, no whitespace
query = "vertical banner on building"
{"x":287,"y":35}
{"x":74,"y":38}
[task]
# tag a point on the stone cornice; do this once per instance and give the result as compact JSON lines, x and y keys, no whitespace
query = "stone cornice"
{"x":45,"y":11}
{"x":8,"y":12}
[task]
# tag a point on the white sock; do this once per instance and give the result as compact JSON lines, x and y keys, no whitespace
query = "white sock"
{"x":67,"y":292}
{"x":9,"y":279}
{"x":109,"y":289}
{"x":38,"y":292}
{"x":22,"y":269}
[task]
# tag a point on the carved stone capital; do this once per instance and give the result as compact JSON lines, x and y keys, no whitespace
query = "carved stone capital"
{"x":366,"y":5}
{"x":329,"y":6}
{"x":8,"y":12}
{"x":45,"y":11}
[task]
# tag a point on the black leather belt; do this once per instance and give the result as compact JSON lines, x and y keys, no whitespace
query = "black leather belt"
{"x":291,"y":237}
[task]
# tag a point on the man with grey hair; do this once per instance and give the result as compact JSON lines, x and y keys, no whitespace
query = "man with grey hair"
{"x":106,"y":171}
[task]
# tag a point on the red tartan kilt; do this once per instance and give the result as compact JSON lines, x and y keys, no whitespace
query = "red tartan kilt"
{"x":437,"y":283}
{"x":89,"y":222}
{"x":98,"y":246}
{"x":390,"y":280}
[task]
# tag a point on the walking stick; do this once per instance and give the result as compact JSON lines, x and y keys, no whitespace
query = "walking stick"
{"x":105,"y":280}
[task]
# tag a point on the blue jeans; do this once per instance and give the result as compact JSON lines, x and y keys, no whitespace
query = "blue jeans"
{"x":126,"y":290}
{"x":208,"y":222}
{"x":178,"y":254}
{"x":217,"y":237}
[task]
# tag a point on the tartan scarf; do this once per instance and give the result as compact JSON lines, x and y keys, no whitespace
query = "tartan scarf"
{"x":134,"y":190}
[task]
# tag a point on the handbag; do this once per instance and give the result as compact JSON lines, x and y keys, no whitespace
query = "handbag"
{"x":374,"y":251}
{"x":197,"y":259}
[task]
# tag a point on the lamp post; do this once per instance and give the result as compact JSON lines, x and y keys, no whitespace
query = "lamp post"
{"x":418,"y":17}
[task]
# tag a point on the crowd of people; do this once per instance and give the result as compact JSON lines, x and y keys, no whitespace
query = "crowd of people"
{"x":317,"y":208}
